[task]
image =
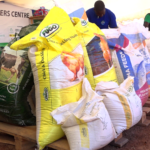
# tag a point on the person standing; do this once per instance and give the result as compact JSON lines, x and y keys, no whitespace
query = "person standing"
{"x":101,"y":16}
{"x":147,"y":21}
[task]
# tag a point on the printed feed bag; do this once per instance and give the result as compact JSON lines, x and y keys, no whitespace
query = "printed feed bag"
{"x":97,"y":57}
{"x":58,"y":68}
{"x":137,"y":34}
{"x":16,"y":81}
{"x":127,"y":62}
{"x":74,"y":8}
{"x":86,"y":123}
{"x":122,"y":103}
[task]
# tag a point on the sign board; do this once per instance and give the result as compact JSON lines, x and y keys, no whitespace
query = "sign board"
{"x":12,"y":19}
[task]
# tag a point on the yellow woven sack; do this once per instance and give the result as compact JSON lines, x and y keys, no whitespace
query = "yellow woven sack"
{"x":58,"y":68}
{"x":97,"y":57}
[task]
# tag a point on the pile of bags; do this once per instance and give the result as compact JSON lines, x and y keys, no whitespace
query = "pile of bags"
{"x":88,"y":83}
{"x":87,"y":120}
{"x":95,"y":120}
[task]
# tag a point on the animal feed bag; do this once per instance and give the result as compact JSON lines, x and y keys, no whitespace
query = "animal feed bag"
{"x":74,"y":8}
{"x":58,"y":68}
{"x":16,"y":81}
{"x":97,"y":57}
{"x":128,"y":62}
{"x":86,"y":123}
{"x":122,"y":103}
{"x":137,"y":35}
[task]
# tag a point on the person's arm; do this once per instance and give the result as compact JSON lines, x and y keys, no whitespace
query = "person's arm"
{"x":113,"y":23}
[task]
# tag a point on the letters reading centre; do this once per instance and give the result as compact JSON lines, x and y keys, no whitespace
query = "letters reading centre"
{"x":14,"y":14}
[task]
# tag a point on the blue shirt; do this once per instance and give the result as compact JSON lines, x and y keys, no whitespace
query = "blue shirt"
{"x":108,"y":20}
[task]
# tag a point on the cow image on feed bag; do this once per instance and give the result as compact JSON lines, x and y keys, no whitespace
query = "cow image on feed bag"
{"x":11,"y":64}
{"x":16,"y":81}
{"x":58,"y":68}
{"x":97,"y":57}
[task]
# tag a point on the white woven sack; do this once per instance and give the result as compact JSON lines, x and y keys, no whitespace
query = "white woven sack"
{"x":122,"y":103}
{"x":86,"y":123}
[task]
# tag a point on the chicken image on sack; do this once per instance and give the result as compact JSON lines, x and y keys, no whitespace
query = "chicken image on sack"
{"x":74,"y":62}
{"x":58,"y":68}
{"x":105,"y":49}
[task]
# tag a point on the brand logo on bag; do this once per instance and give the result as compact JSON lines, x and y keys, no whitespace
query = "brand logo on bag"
{"x":47,"y":31}
{"x":12,"y":88}
{"x":83,"y":22}
{"x":46,"y":94}
{"x":85,"y":70}
{"x":130,"y":89}
{"x":84,"y":132}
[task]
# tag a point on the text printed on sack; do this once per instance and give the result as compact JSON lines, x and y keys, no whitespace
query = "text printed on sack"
{"x":124,"y":61}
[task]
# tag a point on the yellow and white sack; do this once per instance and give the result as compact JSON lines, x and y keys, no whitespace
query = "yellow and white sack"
{"x":122,"y":103}
{"x":97,"y":57}
{"x":86,"y":123}
{"x":58,"y":68}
